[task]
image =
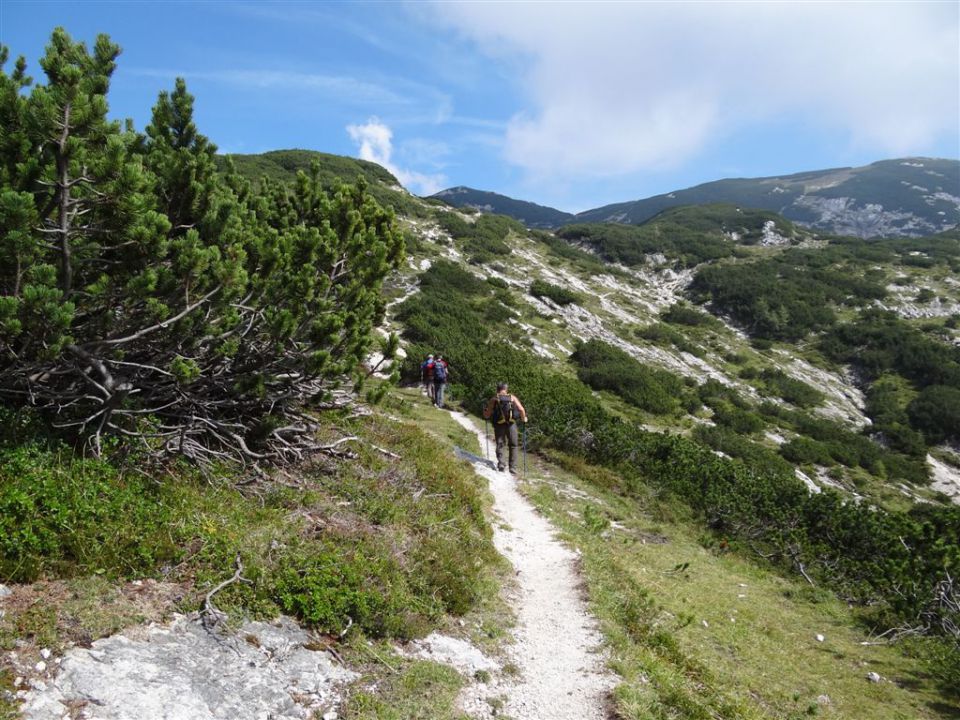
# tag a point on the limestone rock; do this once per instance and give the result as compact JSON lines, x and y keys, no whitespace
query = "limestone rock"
{"x":182,"y":672}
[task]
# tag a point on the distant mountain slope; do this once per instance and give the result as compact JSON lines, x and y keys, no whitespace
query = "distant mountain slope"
{"x":283,"y":166}
{"x":530,"y":214}
{"x":910,"y":196}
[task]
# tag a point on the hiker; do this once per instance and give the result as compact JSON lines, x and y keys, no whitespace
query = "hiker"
{"x":441,"y":374}
{"x":504,"y":410}
{"x":426,"y":375}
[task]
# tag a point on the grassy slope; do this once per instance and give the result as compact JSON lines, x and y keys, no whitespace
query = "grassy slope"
{"x":696,"y":632}
{"x":387,"y":520}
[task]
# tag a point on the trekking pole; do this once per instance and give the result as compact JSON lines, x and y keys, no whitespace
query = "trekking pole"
{"x":524,"y":451}
{"x":486,"y":436}
{"x":486,"y":433}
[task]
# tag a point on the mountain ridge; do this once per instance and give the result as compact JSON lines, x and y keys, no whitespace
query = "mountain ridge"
{"x":885,"y":198}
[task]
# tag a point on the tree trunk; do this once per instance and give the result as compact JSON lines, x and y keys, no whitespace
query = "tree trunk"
{"x":63,"y":188}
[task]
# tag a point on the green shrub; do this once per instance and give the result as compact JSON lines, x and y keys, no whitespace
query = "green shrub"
{"x":805,"y":451}
{"x":790,"y":295}
{"x":683,"y":314}
{"x":664,"y":335}
{"x":686,"y":244}
{"x":63,"y":516}
{"x":891,"y":356}
{"x":327,"y":584}
{"x":561,"y":296}
{"x":130,"y":268}
{"x":936,"y":413}
{"x":738,"y":420}
{"x":559,"y":247}
{"x":484,"y":239}
{"x":790,"y":389}
{"x":605,"y":367}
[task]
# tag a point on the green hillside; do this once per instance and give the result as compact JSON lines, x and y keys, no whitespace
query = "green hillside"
{"x":604,"y":410}
{"x":282,"y":166}
{"x":530,"y":214}
{"x":909,"y":196}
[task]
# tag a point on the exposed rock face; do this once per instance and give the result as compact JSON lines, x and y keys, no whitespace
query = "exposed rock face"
{"x":945,"y":478}
{"x":844,"y":216}
{"x":183,"y":672}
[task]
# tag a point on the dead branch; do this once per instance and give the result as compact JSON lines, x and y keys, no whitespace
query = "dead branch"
{"x":386,"y":452}
{"x":211,"y":615}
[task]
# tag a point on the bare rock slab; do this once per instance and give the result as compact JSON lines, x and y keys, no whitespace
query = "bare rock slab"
{"x":182,"y":672}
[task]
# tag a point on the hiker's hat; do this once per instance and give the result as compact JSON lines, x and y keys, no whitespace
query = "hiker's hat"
{"x":429,"y":357}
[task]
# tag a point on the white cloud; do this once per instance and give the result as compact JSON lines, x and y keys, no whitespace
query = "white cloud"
{"x":615,"y":88}
{"x":375,"y":143}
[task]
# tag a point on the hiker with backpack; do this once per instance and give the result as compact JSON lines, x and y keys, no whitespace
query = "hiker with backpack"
{"x":505,"y":410}
{"x":441,"y":374}
{"x":426,"y":376}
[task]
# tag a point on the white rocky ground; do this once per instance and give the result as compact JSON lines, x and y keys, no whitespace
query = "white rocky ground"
{"x":557,"y":647}
{"x":181,"y":671}
{"x":944,"y":478}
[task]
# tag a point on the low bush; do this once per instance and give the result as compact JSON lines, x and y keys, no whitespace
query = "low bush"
{"x":740,"y":421}
{"x":584,"y":260}
{"x":790,"y":389}
{"x":936,"y":413}
{"x":685,"y":246}
{"x":560,"y":295}
{"x":683,"y":314}
{"x":484,"y":239}
{"x":896,"y":359}
{"x":61,"y":515}
{"x":790,"y":295}
{"x":605,"y":367}
{"x":664,"y":335}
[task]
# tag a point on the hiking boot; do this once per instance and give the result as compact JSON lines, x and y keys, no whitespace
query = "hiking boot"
{"x":500,"y":468}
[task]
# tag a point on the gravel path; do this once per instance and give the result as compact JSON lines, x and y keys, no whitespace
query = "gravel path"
{"x":556,"y":642}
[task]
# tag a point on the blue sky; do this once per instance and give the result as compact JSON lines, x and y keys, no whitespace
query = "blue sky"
{"x":573,"y":105}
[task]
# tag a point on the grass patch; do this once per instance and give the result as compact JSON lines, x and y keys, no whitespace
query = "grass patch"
{"x":9,"y":709}
{"x":412,"y":403}
{"x":417,"y":690}
{"x":698,"y":632}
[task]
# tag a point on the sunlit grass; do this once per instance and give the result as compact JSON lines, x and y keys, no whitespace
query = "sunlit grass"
{"x":699,"y":632}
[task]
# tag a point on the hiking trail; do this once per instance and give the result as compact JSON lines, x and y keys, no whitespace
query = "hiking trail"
{"x":556,"y":643}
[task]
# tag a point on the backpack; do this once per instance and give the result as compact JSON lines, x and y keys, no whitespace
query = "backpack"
{"x":439,"y":372}
{"x":427,"y":367}
{"x":503,"y":413}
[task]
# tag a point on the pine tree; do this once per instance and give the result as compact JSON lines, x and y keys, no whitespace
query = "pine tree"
{"x":148,"y":296}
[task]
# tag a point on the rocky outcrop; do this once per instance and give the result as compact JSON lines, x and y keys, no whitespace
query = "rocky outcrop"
{"x":846,"y":216}
{"x":183,"y":672}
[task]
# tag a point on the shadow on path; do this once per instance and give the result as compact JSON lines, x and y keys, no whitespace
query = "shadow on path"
{"x":475,"y":459}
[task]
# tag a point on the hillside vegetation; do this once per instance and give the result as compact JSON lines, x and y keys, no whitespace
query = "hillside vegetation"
{"x":501,"y":320}
{"x":908,"y":196}
{"x":196,"y":365}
